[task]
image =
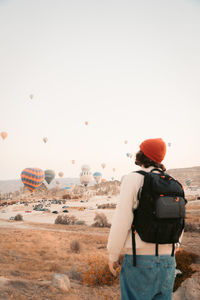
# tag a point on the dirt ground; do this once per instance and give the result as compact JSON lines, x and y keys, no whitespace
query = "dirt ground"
{"x":30,"y":255}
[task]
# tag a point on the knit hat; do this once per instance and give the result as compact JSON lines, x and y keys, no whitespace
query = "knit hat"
{"x":155,"y":149}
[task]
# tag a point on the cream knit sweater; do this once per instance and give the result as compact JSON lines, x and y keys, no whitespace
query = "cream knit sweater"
{"x":120,"y":237}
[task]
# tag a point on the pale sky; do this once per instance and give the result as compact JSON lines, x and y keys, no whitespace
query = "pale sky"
{"x":130,"y":68}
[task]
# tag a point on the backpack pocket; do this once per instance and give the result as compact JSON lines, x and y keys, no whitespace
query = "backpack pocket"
{"x":170,"y":207}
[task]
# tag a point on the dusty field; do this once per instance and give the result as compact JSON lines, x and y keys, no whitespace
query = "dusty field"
{"x":29,"y":257}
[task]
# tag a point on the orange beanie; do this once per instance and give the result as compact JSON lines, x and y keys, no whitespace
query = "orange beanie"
{"x":155,"y":149}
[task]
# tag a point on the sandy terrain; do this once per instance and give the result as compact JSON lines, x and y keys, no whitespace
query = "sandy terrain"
{"x":33,"y":250}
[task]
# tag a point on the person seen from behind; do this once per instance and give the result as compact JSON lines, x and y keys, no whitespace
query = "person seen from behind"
{"x":148,"y":268}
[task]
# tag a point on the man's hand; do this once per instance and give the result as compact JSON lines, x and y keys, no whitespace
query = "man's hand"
{"x":112,"y":267}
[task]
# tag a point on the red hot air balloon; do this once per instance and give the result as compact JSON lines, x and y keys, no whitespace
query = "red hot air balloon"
{"x":32,"y":178}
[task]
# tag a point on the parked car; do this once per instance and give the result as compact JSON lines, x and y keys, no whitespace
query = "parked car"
{"x":65,"y":211}
{"x":11,"y":218}
{"x":55,"y":212}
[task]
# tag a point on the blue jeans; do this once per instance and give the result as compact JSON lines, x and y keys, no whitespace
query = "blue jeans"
{"x":151,"y":279}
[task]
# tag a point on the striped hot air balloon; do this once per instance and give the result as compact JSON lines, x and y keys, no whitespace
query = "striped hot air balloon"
{"x":32,"y":178}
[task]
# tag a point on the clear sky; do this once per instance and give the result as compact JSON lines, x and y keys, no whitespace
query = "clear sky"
{"x":130,"y":68}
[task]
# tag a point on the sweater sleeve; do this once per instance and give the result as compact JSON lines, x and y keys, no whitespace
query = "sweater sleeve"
{"x":123,"y":216}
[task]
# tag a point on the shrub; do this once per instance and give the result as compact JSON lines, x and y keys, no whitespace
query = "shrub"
{"x":106,"y":205}
{"x":98,"y":273}
{"x":18,"y":217}
{"x":75,"y":246}
{"x":101,"y":220}
{"x":183,"y":260}
{"x":189,"y":227}
{"x":66,"y":220}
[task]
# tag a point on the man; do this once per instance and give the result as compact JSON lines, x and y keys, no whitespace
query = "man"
{"x":153,"y":276}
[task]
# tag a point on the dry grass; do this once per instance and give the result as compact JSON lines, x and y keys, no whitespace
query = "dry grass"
{"x":98,"y":274}
{"x":32,"y":256}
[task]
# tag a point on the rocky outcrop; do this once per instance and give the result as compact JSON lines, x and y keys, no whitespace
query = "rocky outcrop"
{"x":189,"y":290}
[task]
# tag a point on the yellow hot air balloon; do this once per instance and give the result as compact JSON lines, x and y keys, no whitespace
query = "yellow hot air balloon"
{"x":4,"y":135}
{"x":103,"y":165}
{"x":60,"y":174}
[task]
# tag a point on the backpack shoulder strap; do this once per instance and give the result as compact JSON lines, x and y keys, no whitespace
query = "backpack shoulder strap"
{"x":141,"y":172}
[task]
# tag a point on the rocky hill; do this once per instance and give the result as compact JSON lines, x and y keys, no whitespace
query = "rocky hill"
{"x":182,"y":174}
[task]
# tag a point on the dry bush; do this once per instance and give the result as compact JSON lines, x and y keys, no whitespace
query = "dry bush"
{"x":67,"y":196}
{"x":189,"y":227}
{"x":183,"y":260}
{"x":75,"y":246}
{"x":98,"y":273}
{"x":101,"y":220}
{"x":106,"y":205}
{"x":66,"y":220}
{"x":18,"y":217}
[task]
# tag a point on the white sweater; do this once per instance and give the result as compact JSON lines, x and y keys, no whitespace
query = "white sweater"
{"x":120,"y":237}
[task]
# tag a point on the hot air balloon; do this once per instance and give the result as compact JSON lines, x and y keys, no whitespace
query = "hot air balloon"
{"x":4,"y":135}
{"x":112,"y":178}
{"x":60,"y":174}
{"x":97,"y":177}
{"x":188,"y":181}
{"x":103,"y":165}
{"x":32,"y":178}
{"x":73,"y":161}
{"x":85,"y":175}
{"x":169,"y":144}
{"x":130,"y":155}
{"x":86,"y":123}
{"x":31,"y":96}
{"x":103,"y":180}
{"x":45,"y":140}
{"x":125,"y":142}
{"x":49,"y":175}
{"x":114,"y":169}
{"x":127,"y":154}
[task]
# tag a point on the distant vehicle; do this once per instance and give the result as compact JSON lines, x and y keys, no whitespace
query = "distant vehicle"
{"x":11,"y":218}
{"x":65,"y":211}
{"x":91,"y":208}
{"x":28,"y":211}
{"x":43,"y":209}
{"x":55,"y":212}
{"x":65,"y":206}
{"x":3,"y":211}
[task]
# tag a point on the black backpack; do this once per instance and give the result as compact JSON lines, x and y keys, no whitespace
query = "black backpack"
{"x":159,"y":217}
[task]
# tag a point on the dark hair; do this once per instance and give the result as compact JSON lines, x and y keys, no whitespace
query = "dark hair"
{"x":143,"y":160}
